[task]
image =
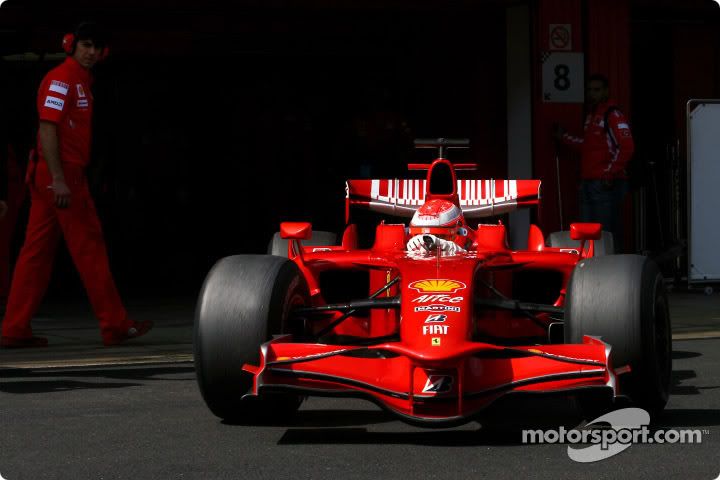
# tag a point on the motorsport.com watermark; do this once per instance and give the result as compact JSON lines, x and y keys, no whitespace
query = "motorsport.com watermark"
{"x":627,"y":426}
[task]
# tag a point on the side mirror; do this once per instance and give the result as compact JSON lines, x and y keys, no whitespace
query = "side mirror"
{"x":296,"y":230}
{"x":585,"y":231}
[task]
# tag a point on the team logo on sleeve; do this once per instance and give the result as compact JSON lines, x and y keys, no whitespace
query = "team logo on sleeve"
{"x":54,"y":103}
{"x":59,"y":87}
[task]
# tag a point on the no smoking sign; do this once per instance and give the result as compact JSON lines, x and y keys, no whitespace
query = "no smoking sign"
{"x":560,"y":37}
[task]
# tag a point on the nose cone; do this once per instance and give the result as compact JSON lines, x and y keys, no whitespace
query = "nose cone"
{"x":437,"y":305}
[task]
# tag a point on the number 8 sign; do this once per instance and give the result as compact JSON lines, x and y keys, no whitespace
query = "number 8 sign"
{"x":563,"y":77}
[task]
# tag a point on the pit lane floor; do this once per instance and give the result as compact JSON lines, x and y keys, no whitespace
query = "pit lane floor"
{"x":149,"y":422}
{"x":77,"y":410}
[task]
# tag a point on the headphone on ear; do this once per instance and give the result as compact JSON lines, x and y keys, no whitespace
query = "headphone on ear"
{"x":68,"y":42}
{"x":68,"y":45}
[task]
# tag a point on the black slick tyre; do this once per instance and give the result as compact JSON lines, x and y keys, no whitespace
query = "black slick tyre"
{"x":244,"y":300}
{"x":622,"y":300}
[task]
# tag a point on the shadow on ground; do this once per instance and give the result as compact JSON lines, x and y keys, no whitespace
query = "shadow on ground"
{"x":689,"y":417}
{"x":680,"y":354}
{"x":361,"y":436}
{"x":48,"y":386}
{"x":25,"y":381}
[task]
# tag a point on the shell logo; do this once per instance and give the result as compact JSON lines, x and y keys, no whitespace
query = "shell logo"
{"x":437,"y":285}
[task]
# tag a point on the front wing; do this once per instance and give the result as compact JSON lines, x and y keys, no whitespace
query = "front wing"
{"x":432,"y":389}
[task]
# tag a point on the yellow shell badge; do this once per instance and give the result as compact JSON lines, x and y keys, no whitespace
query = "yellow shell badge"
{"x":437,"y":285}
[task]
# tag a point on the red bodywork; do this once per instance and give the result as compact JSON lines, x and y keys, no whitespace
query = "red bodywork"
{"x":443,"y":356}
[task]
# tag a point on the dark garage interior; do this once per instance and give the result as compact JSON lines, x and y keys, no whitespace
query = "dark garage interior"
{"x":213,"y":126}
{"x":214,"y":123}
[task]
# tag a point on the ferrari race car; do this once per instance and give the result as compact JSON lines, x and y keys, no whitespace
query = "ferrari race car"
{"x":435,"y":339}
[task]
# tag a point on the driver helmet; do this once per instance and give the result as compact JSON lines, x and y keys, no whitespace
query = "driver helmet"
{"x":441,"y":218}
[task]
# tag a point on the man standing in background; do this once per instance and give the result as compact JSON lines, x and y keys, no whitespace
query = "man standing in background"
{"x":606,"y":148}
{"x":61,"y":202}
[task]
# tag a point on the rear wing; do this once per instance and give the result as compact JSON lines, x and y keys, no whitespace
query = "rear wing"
{"x":478,"y":198}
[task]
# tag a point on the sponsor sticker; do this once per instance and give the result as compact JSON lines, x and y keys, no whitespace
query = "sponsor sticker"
{"x":435,"y":342}
{"x":435,"y":329}
{"x":438,"y":384}
{"x":437,"y":298}
{"x":59,"y":87}
{"x":82,"y":103}
{"x":439,"y":318}
{"x":80,"y":91}
{"x":54,"y":103}
{"x":437,"y":285}
{"x":437,"y":308}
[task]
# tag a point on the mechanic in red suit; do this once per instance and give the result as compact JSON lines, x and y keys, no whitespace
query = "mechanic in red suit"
{"x":62,"y":205}
{"x":606,"y":148}
{"x":441,"y":222}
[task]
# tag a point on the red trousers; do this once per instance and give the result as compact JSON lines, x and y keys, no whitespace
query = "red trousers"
{"x":16,"y":196}
{"x":80,"y":227}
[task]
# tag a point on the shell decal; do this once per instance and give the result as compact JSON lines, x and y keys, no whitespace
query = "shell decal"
{"x":437,"y":285}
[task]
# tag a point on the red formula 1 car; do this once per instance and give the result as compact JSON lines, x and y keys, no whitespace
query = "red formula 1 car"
{"x":435,"y":339}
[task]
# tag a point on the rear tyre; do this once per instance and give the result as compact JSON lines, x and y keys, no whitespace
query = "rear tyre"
{"x":279,"y":246}
{"x":604,"y":246}
{"x":245,"y":299}
{"x":622,"y":299}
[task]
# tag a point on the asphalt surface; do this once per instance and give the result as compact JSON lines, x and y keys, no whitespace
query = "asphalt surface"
{"x":149,"y":422}
{"x":77,"y":410}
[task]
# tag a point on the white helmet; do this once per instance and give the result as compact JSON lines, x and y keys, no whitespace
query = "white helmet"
{"x":437,"y":217}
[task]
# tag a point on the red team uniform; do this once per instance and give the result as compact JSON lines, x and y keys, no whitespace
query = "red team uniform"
{"x":65,"y":99}
{"x":605,"y":150}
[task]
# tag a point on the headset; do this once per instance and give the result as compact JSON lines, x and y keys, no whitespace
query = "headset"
{"x":68,"y":45}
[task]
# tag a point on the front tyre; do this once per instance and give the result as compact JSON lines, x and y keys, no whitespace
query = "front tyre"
{"x":622,"y":299}
{"x":244,"y":300}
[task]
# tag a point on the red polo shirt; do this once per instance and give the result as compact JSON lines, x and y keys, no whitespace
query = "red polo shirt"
{"x":64,"y":98}
{"x":603,"y":156}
